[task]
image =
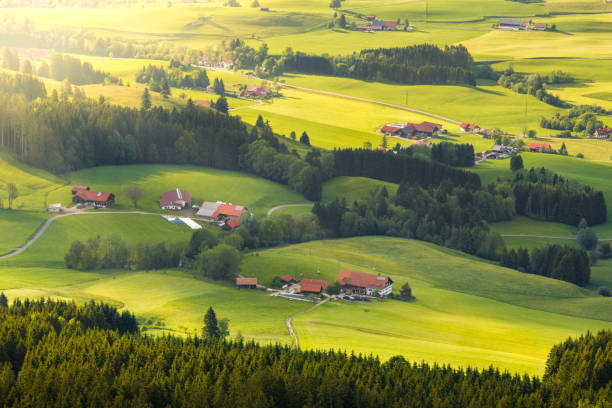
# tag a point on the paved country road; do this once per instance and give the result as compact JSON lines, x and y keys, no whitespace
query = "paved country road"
{"x":278,"y":207}
{"x":50,"y":220}
{"x":339,"y":95}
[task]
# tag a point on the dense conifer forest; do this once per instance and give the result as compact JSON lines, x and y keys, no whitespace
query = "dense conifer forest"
{"x":58,"y":354}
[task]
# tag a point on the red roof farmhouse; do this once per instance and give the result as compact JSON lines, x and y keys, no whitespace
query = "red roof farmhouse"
{"x":538,"y":147}
{"x":176,"y":200}
{"x":256,"y":91}
{"x":249,"y":283}
{"x":603,"y":133}
{"x":96,"y":198}
{"x":364,"y":283}
{"x":313,"y":285}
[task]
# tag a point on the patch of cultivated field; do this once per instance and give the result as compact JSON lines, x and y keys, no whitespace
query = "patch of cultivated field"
{"x":50,"y":248}
{"x":501,"y":107}
{"x":17,"y":227}
{"x":33,"y":185}
{"x":466,"y":312}
{"x":354,"y":188}
{"x":203,"y":183}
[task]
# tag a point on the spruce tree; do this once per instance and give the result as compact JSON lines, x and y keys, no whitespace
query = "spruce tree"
{"x":146,"y":100}
{"x":304,"y":139}
{"x":210,"y":330}
{"x":516,"y":163}
{"x":3,"y":301}
{"x":222,"y":105}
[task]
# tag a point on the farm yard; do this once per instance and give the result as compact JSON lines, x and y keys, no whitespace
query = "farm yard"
{"x":320,"y":80}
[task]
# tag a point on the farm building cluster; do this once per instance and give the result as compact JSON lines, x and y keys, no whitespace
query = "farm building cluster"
{"x":475,"y":129}
{"x":603,"y":133}
{"x":499,"y":152}
{"x":86,"y":196}
{"x":516,"y":25}
{"x":226,"y":215}
{"x":412,"y":130}
{"x":351,"y":283}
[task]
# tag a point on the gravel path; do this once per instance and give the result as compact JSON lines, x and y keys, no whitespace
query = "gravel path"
{"x":296,"y":342}
{"x":278,"y":207}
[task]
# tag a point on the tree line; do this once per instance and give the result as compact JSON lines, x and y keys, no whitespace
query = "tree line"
{"x":54,"y":353}
{"x":399,"y":168}
{"x":66,"y":134}
{"x":161,"y":79}
{"x":579,"y":119}
{"x":542,"y":194}
{"x":553,"y":261}
{"x":453,"y":154}
{"x":533,"y":85}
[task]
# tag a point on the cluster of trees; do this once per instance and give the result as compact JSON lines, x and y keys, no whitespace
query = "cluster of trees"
{"x":399,"y":168}
{"x":112,"y":252}
{"x":543,"y":194}
{"x":161,"y":79}
{"x":23,"y":84}
{"x":553,"y":261}
{"x":453,"y":154}
{"x":533,"y":84}
{"x":65,"y":134}
{"x":447,"y":215}
{"x":59,"y":354}
{"x":579,"y":119}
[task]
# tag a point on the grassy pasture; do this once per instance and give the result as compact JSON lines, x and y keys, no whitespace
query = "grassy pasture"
{"x":33,"y":185}
{"x":354,"y":188}
{"x":17,"y":227}
{"x":464,"y":312}
{"x":203,"y":184}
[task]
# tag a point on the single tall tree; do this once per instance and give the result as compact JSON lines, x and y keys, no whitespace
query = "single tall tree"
{"x":3,"y":301}
{"x":304,"y":139}
{"x":210,"y":330}
{"x":221,"y":105}
{"x":13,"y":193}
{"x":134,"y":193}
{"x":516,"y":163}
{"x":146,"y":100}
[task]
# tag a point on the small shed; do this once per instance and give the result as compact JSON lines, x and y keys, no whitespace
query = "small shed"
{"x":54,"y":208}
{"x":246,"y":283}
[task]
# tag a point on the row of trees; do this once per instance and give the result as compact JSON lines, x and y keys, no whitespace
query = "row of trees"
{"x":161,"y":79}
{"x":579,"y":119}
{"x":112,"y":252}
{"x":533,"y":84}
{"x":64,"y":134}
{"x":59,"y":354}
{"x":543,"y":194}
{"x":399,"y":168}
{"x":453,"y":154}
{"x":553,"y":261}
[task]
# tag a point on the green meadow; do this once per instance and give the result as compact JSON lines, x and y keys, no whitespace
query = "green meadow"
{"x":17,"y":227}
{"x":204,"y":184}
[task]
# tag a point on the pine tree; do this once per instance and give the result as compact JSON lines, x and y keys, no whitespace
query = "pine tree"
{"x":210,"y":330}
{"x":260,"y":122}
{"x":304,"y":139}
{"x":146,"y":100}
{"x":221,"y":105}
{"x":516,"y":163}
{"x":3,"y":301}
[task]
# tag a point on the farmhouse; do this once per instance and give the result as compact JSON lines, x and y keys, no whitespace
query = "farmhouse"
{"x":505,"y":24}
{"x":425,"y":128}
{"x":540,"y":26}
{"x":264,"y":9}
{"x":538,"y":147}
{"x":221,"y":212}
{"x":287,"y":278}
{"x":384,"y":25}
{"x":603,"y":133}
{"x":364,"y":283}
{"x":96,"y":198}
{"x":313,"y":285}
{"x":256,"y":91}
{"x":231,"y":223}
{"x":227,"y":63}
{"x":470,"y":127}
{"x":54,"y":208}
{"x":76,"y":189}
{"x":176,"y":200}
{"x":246,"y":283}
{"x":368,"y":28}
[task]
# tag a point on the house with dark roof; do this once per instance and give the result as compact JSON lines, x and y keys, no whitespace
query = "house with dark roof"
{"x":507,"y":24}
{"x":469,"y":127}
{"x":540,"y":26}
{"x":246,"y":283}
{"x":256,"y":91}
{"x":313,"y":285}
{"x":360,"y":283}
{"x":175,"y":200}
{"x":602,"y":133}
{"x":98,"y":199}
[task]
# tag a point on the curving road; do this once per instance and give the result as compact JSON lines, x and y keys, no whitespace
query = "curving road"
{"x":50,"y":220}
{"x":279,"y":207}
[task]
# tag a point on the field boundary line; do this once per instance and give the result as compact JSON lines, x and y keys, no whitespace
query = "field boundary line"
{"x":279,"y":207}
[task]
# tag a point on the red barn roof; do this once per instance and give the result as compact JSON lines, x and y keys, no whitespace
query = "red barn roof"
{"x":95,"y":196}
{"x":233,"y":223}
{"x":287,"y":278}
{"x":246,"y":281}
{"x":362,"y":280}
{"x":79,"y":188}
{"x":536,"y":146}
{"x":313,"y":285}
{"x":173,"y":196}
{"x":390,"y":129}
{"x":229,"y":210}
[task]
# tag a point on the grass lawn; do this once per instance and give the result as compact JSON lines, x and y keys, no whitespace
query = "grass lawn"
{"x":33,"y":185}
{"x":17,"y":227}
{"x":354,"y":188}
{"x":203,"y":183}
{"x":467,"y":311}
